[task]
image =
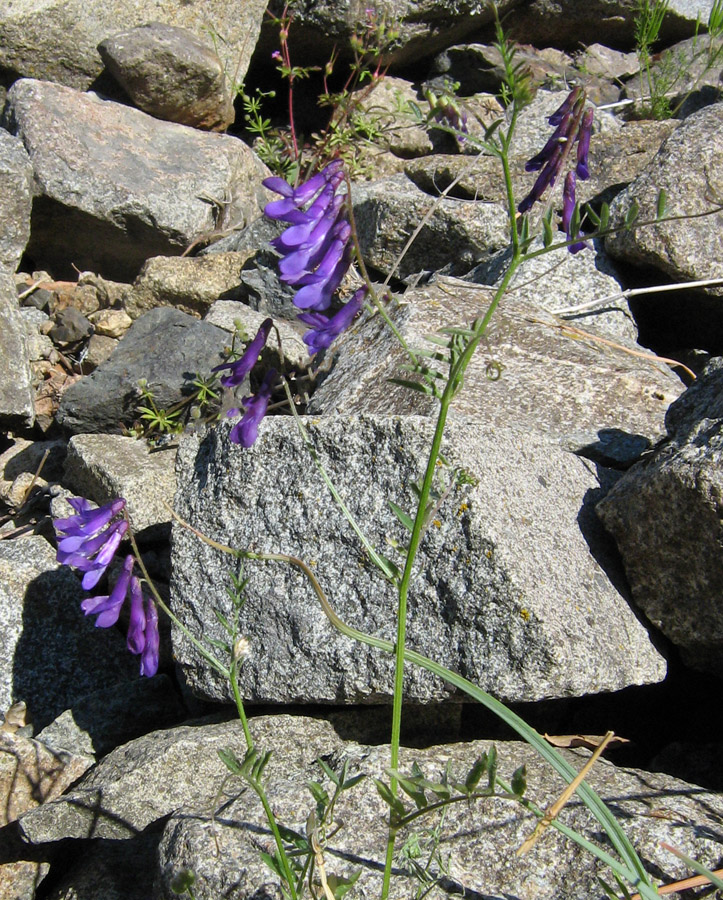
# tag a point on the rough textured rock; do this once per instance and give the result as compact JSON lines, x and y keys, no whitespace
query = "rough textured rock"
{"x":30,"y":774}
{"x":226,"y":313}
{"x":570,"y":280}
{"x":166,"y":347}
{"x":191,"y":284}
{"x":16,"y":396}
{"x":16,"y":200}
{"x":512,"y":587}
{"x":458,"y":234}
{"x":617,"y":156}
{"x":665,"y":515}
{"x":116,"y":186}
{"x":101,"y":467}
{"x":689,"y":249}
{"x":57,"y":40}
{"x":107,"y":718}
{"x":541,"y":359}
{"x":423,"y":28}
{"x":172,"y":74}
{"x":20,"y":462}
{"x":178,"y":772}
{"x":53,"y":654}
{"x":477,"y":842}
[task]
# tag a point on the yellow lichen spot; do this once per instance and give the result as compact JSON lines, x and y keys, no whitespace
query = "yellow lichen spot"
{"x":488,"y":553}
{"x":525,"y":614}
{"x":436,"y":523}
{"x":463,"y":507}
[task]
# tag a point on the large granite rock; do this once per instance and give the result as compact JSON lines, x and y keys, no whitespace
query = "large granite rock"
{"x":16,"y":394}
{"x":116,"y":186}
{"x":172,"y":74}
{"x":165,"y":347}
{"x":16,"y":199}
{"x":689,"y":167}
{"x":570,"y":388}
{"x":216,"y":826}
{"x":665,"y":515}
{"x":512,"y":587}
{"x":53,"y":655}
{"x":57,"y":40}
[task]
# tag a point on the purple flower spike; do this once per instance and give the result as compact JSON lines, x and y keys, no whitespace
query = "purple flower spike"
{"x":315,"y":246}
{"x":246,"y":431}
{"x":568,"y":208}
{"x":583,"y":146}
{"x":567,"y":105}
{"x":108,"y":608}
{"x":241,"y":368}
{"x":545,"y":179}
{"x":326,"y":329}
{"x":150,"y":654}
{"x":89,"y":540}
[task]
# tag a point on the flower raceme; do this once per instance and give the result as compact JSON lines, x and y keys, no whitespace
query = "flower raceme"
{"x":315,"y":247}
{"x":241,"y":367}
{"x":573,"y":123}
{"x":88,"y":541}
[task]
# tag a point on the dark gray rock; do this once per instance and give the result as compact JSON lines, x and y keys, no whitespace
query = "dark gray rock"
{"x":116,"y":186}
{"x":172,"y":74}
{"x":71,"y":326}
{"x":568,"y":23}
{"x":16,"y":199}
{"x":166,"y":347}
{"x":110,"y":870}
{"x":107,"y":718}
{"x":512,"y":586}
{"x":57,"y":40}
{"x":665,"y":515}
{"x":53,"y":657}
{"x":457,"y":235}
{"x":689,"y":167}
{"x":16,"y":395}
{"x":422,"y":27}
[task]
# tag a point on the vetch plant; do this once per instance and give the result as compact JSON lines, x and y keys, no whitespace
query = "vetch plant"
{"x":317,"y":250}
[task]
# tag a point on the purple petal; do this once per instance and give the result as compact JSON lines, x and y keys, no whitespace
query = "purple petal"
{"x":278,"y":186}
{"x":565,"y":107}
{"x":150,"y":654}
{"x":326,"y":331}
{"x":246,"y":431}
{"x":108,"y":608}
{"x":136,"y":640}
{"x":583,"y":147}
{"x":241,"y":368}
{"x":103,"y":560}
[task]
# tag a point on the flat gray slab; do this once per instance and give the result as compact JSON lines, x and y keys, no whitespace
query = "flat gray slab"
{"x":512,"y":587}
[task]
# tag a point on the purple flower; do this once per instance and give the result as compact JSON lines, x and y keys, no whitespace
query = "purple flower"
{"x":143,"y":635}
{"x":88,"y":540}
{"x":108,"y":608}
{"x":545,"y":179}
{"x":315,"y":246}
{"x":326,"y":329}
{"x":246,"y":431}
{"x":567,"y":105}
{"x":583,"y":145}
{"x":241,"y":368}
{"x":150,"y":652}
{"x":568,"y":208}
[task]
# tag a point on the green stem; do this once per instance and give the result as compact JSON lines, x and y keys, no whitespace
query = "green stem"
{"x":233,"y":678}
